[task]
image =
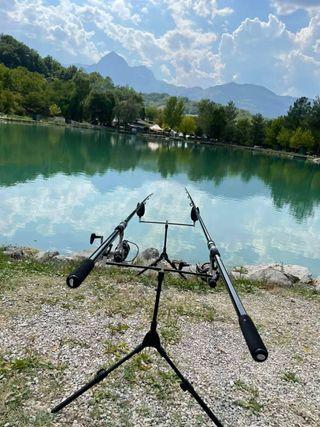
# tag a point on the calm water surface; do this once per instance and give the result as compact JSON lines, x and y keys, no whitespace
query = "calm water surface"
{"x":59,"y":185}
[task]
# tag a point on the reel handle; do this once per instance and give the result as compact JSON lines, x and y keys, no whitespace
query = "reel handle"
{"x":75,"y":278}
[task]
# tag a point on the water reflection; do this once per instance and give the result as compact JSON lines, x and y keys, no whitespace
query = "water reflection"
{"x":57,"y":185}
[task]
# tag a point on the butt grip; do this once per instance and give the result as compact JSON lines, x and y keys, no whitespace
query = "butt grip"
{"x":254,"y":342}
{"x":75,"y":278}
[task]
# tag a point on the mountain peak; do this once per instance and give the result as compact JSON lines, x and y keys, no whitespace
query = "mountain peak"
{"x":254,"y":98}
{"x":113,"y":58}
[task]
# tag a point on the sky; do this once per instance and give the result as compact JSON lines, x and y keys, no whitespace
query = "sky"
{"x":274,"y":43}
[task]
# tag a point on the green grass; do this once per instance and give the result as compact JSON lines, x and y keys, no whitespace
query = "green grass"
{"x":251,"y":404}
{"x":290,"y":377}
{"x":115,"y":349}
{"x":241,"y":385}
{"x":16,"y":377}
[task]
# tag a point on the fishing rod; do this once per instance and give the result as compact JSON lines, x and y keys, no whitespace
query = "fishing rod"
{"x":251,"y":335}
{"x":75,"y":278}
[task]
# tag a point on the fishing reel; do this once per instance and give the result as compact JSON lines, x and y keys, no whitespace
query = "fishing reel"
{"x":213,"y":272}
{"x":122,"y":251}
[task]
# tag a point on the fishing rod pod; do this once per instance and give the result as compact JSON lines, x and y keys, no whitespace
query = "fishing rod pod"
{"x":75,"y":278}
{"x":252,"y":337}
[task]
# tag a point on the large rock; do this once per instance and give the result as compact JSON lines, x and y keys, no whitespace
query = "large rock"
{"x":280,"y":274}
{"x":62,"y":258}
{"x":46,"y":256}
{"x":17,"y":253}
{"x":149,"y":254}
{"x":316,"y":283}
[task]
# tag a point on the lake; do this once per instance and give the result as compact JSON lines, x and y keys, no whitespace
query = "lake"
{"x":59,"y":185}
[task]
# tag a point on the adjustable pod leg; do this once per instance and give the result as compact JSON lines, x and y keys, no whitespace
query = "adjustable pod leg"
{"x":174,"y":267}
{"x":101,"y":375}
{"x":153,"y":264}
{"x":187,"y":386}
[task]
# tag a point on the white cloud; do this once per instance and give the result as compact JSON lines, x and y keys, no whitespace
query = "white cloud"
{"x":58,"y":25}
{"x":210,"y":9}
{"x":123,"y":9}
{"x":286,"y":7}
{"x":267,"y":53}
{"x":188,"y":52}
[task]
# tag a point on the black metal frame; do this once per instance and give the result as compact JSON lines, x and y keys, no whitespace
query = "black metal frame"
{"x":164,"y":254}
{"x":151,"y":339}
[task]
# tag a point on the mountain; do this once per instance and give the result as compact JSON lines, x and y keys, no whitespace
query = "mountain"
{"x":254,"y":98}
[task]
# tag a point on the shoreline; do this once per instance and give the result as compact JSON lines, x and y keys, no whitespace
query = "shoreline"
{"x":164,"y":138}
{"x":274,"y":274}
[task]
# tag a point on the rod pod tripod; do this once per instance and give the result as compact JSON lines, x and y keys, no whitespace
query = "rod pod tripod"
{"x":164,"y":254}
{"x":151,"y":339}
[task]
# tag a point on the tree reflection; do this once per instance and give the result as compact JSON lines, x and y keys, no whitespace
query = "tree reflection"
{"x":29,"y":151}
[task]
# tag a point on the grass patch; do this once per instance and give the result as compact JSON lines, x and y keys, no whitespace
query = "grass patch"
{"x":252,"y":405}
{"x":16,"y":377}
{"x":290,"y":377}
{"x":241,"y":385}
{"x":142,"y":362}
{"x":116,"y":350}
{"x":118,"y":328}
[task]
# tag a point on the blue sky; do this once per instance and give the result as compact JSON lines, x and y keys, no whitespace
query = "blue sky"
{"x":275,"y":43}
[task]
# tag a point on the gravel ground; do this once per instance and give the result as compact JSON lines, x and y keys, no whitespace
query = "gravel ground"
{"x":54,"y":339}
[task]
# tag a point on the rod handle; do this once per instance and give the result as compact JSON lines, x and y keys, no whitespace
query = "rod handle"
{"x":78,"y":275}
{"x":254,"y":342}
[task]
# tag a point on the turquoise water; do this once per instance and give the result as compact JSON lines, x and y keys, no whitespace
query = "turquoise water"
{"x":58,"y":185}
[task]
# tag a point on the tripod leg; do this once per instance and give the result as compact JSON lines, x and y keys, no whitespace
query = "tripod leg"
{"x":101,"y":375}
{"x":187,"y":386}
{"x":151,"y":265}
{"x":174,"y":267}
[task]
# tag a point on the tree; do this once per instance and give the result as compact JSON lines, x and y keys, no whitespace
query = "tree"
{"x":81,"y":88}
{"x":173,"y":112}
{"x":187,"y":125}
{"x":231,"y":112}
{"x":257,"y":130}
{"x":272,"y":130}
{"x":35,"y":103}
{"x":302,"y":139}
{"x":211,"y":119}
{"x":54,"y":110}
{"x":243,"y":127}
{"x":7,"y":104}
{"x":299,"y":113}
{"x":151,"y":112}
{"x":283,"y":138}
{"x":99,"y":107}
{"x":127,"y":111}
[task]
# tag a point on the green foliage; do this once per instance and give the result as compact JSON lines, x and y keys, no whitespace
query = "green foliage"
{"x":302,"y":140}
{"x":299,"y":113}
{"x":99,"y":107}
{"x":173,"y":111}
{"x":272,"y":130}
{"x":290,"y":377}
{"x":212,"y":119}
{"x":151,"y":112}
{"x":243,"y":131}
{"x":127,"y":111}
{"x":188,"y":125}
{"x":257,"y":130}
{"x":32,"y":85}
{"x":54,"y":110}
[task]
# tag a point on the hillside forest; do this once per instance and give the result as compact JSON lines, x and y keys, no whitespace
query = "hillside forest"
{"x":31,"y":85}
